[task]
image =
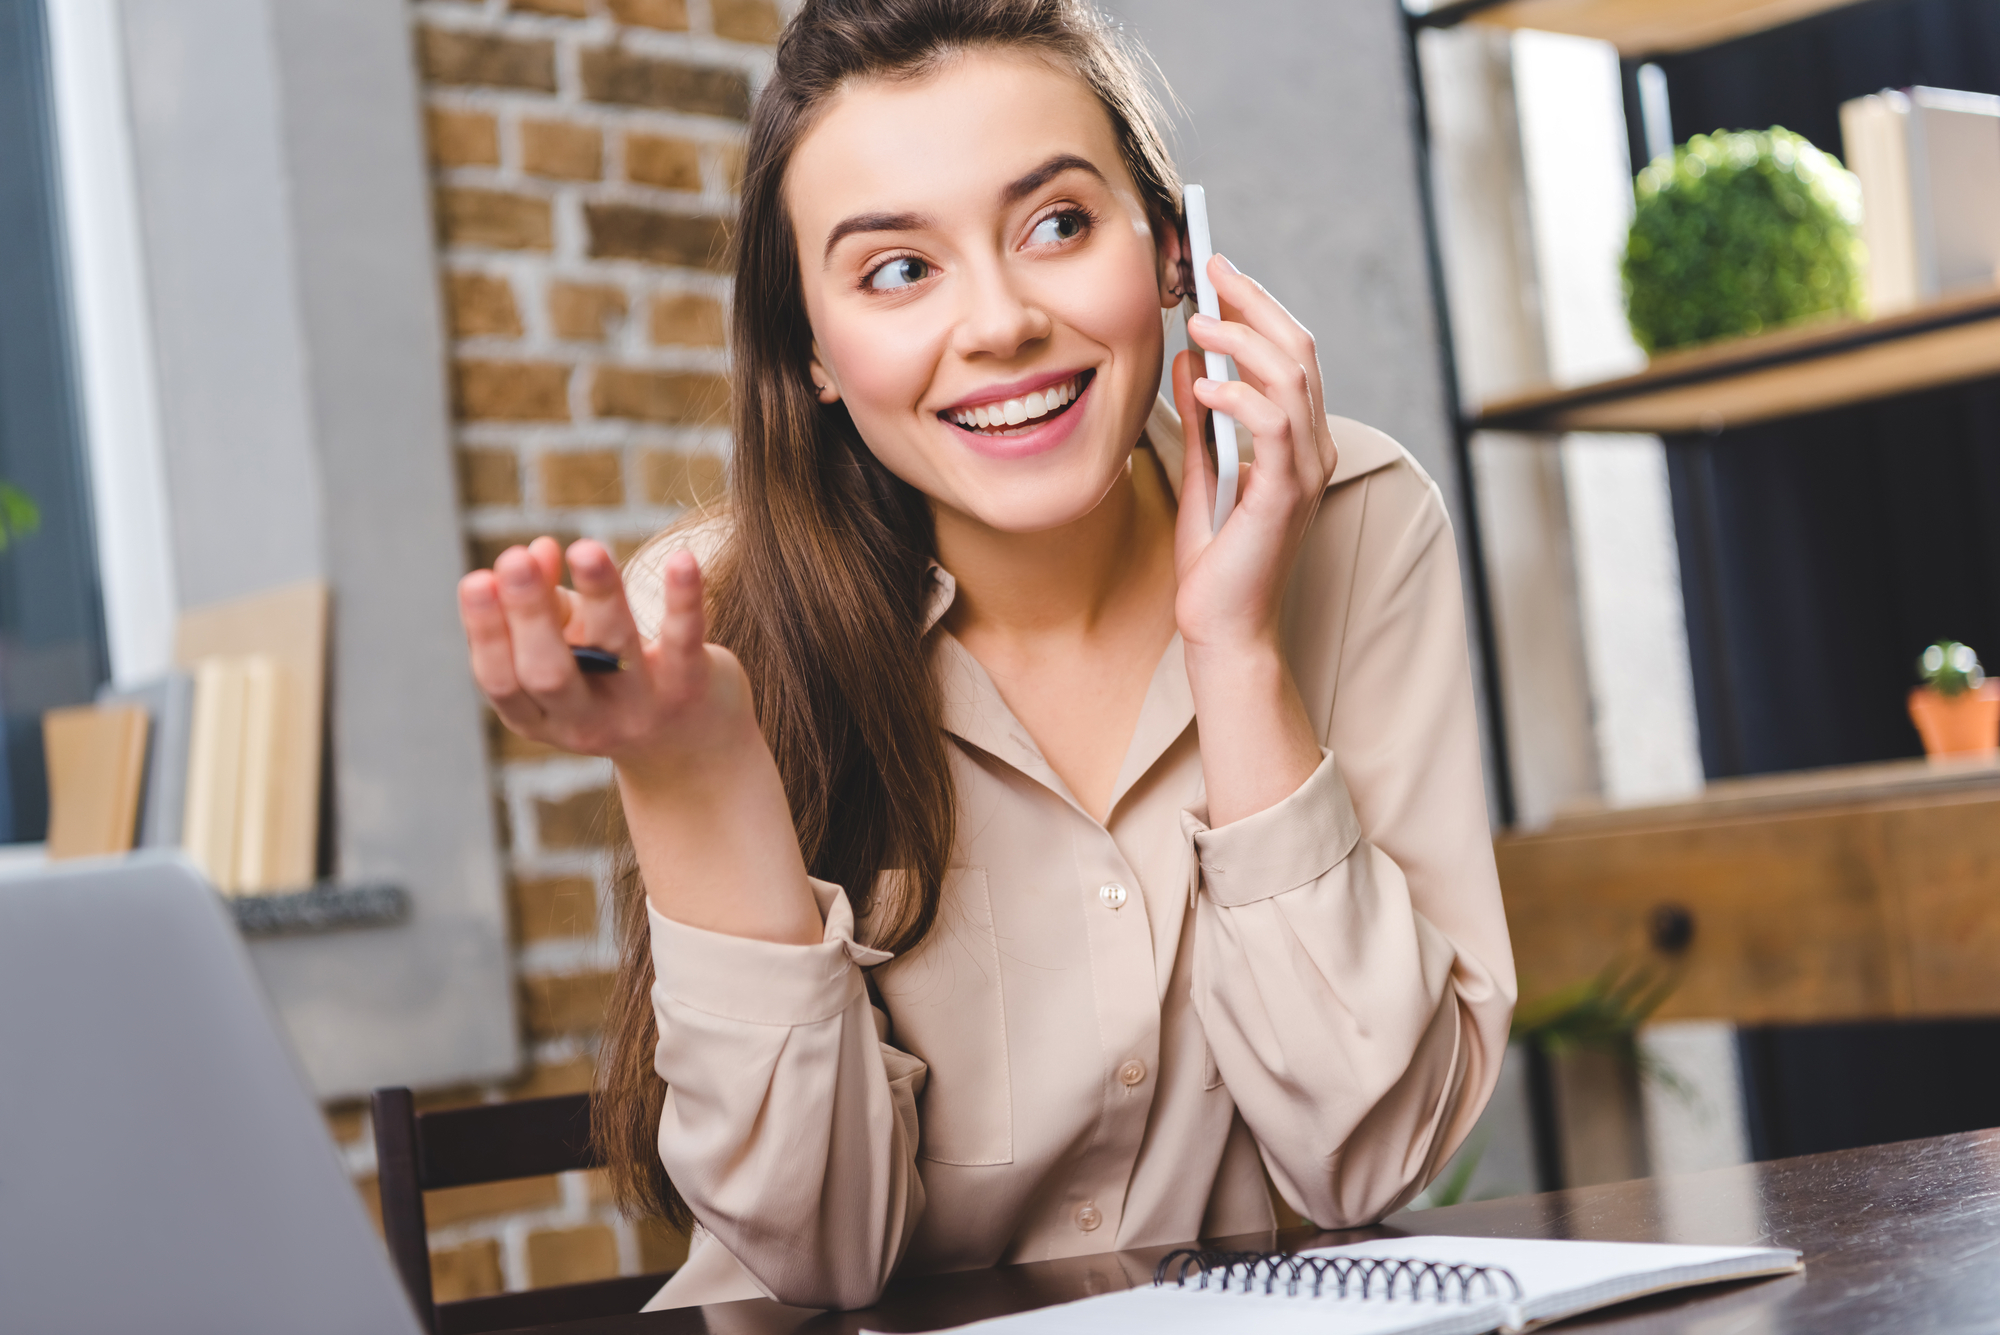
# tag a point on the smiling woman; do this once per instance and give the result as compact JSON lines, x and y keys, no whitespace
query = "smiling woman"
{"x":1018,"y":868}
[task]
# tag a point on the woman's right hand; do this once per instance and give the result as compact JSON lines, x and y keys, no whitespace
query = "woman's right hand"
{"x":677,"y":703}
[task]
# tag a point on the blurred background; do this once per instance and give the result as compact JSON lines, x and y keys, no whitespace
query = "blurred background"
{"x":1690,"y":310}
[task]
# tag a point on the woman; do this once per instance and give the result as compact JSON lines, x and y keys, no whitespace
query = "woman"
{"x":1022,"y":869}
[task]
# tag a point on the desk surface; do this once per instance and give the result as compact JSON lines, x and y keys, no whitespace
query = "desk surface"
{"x":1898,"y":1239}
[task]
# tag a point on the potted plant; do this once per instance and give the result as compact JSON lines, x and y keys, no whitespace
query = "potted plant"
{"x":1956,"y":710}
{"x":1740,"y":232}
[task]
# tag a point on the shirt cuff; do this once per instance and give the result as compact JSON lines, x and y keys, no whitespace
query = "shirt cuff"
{"x":763,"y":982}
{"x":1281,"y":847}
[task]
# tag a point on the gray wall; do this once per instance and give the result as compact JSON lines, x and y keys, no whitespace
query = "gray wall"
{"x":284,"y":216}
{"x":1298,"y":117}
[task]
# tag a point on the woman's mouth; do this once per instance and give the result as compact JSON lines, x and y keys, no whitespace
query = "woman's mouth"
{"x":1019,"y":416}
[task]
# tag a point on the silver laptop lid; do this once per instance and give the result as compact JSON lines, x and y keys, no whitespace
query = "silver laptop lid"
{"x":162,"y":1168}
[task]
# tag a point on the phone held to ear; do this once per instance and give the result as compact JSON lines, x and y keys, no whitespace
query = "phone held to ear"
{"x":1219,"y":429}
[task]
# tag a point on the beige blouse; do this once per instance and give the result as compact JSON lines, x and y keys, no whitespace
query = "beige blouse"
{"x":1112,"y":1024}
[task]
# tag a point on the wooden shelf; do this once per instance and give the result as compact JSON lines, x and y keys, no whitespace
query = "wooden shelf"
{"x":1636,"y":27}
{"x":1826,"y":364}
{"x":1863,"y":894}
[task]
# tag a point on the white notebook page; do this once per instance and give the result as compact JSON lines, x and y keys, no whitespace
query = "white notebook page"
{"x":1557,"y":1279}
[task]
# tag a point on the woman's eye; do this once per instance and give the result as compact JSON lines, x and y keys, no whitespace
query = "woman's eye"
{"x":1057,"y":228}
{"x":899,"y":274}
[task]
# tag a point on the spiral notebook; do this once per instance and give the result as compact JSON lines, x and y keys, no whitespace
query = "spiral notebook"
{"x":1394,"y":1286}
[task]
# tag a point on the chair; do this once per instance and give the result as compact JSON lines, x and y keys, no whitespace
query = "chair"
{"x":418,"y":1152}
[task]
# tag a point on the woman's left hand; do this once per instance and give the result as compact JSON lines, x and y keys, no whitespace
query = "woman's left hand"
{"x":1232,"y":583}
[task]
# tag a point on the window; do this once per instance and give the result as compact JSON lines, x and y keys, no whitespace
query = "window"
{"x":52,"y":644}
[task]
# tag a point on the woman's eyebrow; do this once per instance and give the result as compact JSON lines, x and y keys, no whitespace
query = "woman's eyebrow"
{"x":875,"y":222}
{"x":1048,"y":171}
{"x":916,"y":222}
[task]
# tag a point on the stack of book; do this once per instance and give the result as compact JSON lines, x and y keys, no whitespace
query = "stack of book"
{"x":221,"y":757}
{"x":1929,"y":163}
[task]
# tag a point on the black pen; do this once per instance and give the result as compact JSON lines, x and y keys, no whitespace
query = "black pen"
{"x":591,"y":660}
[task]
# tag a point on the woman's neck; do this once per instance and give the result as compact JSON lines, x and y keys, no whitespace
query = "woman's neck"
{"x":1070,"y":580}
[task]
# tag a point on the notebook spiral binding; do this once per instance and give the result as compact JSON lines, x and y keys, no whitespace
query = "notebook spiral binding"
{"x":1404,"y":1277}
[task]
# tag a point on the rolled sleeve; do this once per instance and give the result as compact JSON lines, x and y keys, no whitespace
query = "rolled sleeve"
{"x":763,"y":982}
{"x":1282,"y":847}
{"x":789,"y":1126}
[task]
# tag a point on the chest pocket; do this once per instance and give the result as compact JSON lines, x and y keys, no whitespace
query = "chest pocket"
{"x":946,"y":1008}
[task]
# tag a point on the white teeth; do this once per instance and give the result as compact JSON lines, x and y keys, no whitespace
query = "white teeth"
{"x":1013,"y":412}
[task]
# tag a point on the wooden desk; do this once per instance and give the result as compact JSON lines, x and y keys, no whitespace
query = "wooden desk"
{"x":1898,"y":1240}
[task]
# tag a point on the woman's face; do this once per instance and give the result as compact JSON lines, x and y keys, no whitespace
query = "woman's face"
{"x":983,"y":284}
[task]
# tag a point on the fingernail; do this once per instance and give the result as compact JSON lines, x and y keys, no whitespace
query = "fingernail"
{"x":1197,"y":320}
{"x":1227,"y":267}
{"x":1203,"y":382}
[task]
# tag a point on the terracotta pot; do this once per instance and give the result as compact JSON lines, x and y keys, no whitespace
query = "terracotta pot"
{"x":1955,"y":725}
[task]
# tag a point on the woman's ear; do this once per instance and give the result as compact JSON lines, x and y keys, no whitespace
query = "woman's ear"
{"x":822,"y":378}
{"x":1176,"y":277}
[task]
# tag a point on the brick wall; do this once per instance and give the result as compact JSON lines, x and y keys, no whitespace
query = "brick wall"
{"x":586,"y":155}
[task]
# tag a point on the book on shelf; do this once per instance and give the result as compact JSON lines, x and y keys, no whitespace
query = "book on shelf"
{"x":96,"y":760}
{"x":253,"y":789}
{"x":1929,"y":163}
{"x":169,"y":704}
{"x":237,"y":772}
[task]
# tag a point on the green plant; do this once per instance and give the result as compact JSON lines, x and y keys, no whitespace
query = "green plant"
{"x":19,"y":515}
{"x":1951,"y":668}
{"x":1602,"y":1012}
{"x":1739,"y":232}
{"x":1450,"y":1189}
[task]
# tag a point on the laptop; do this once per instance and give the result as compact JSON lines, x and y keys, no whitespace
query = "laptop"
{"x":162,"y":1167}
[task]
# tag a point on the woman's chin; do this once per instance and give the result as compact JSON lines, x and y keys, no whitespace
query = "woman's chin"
{"x":1039,"y":505}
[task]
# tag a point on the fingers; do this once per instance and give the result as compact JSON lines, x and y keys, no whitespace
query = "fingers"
{"x":548,"y":556}
{"x":677,"y":657}
{"x":528,"y":597}
{"x":1277,"y":356}
{"x":1262,"y":311}
{"x":600,"y":615}
{"x":492,"y":649}
{"x":1270,"y":368}
{"x":1270,"y":425}
{"x":1197,"y":480}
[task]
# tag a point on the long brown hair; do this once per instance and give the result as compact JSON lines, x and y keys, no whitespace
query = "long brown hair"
{"x":818,"y":586}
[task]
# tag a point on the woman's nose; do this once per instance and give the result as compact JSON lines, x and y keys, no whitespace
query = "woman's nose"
{"x":998,"y":319}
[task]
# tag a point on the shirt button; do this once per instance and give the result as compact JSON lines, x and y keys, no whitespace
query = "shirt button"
{"x":1087,"y":1217}
{"x":1132,"y":1072}
{"x":1112,"y":895}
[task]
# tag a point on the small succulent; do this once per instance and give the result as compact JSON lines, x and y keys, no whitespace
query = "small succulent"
{"x":1951,"y":668}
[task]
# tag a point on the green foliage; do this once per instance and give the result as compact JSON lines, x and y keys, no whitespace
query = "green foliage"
{"x":1739,"y":232}
{"x":1951,"y":668}
{"x":19,"y":515}
{"x":1603,"y":1012}
{"x":1450,"y":1189}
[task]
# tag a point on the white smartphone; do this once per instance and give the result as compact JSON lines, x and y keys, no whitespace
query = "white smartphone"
{"x":1219,"y":430}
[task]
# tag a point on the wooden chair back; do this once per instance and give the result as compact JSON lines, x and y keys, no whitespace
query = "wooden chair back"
{"x":424,"y":1151}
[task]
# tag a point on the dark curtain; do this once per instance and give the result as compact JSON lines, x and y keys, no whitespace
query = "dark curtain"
{"x":1819,"y":556}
